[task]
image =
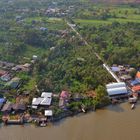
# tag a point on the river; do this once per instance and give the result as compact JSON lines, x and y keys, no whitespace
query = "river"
{"x":116,"y":122}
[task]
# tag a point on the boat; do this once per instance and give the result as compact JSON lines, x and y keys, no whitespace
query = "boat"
{"x":132,"y":106}
{"x":83,"y":108}
{"x":43,"y":125}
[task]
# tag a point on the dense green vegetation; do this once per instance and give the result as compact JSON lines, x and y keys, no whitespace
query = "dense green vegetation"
{"x":64,"y":61}
{"x":117,"y":43}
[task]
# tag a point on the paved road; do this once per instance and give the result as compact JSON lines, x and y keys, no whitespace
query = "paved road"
{"x":72,"y":26}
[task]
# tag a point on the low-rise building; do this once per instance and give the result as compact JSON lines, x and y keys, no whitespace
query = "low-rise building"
{"x":63,"y":100}
{"x":19,"y":107}
{"x":48,"y":113}
{"x":7,"y":107}
{"x":14,"y":83}
{"x":115,"y":85}
{"x":6,"y":77}
{"x":2,"y":72}
{"x":136,"y":88}
{"x":2,"y":101}
{"x":117,"y":89}
{"x":44,"y":100}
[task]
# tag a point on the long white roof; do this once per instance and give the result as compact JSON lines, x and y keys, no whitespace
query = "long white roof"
{"x":48,"y":113}
{"x":46,"y":94}
{"x":117,"y":91}
{"x":115,"y":85}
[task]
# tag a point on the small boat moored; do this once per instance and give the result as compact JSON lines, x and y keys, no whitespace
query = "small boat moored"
{"x":43,"y":124}
{"x":132,"y":106}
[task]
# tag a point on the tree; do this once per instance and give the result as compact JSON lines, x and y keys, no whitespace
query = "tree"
{"x":100,"y":93}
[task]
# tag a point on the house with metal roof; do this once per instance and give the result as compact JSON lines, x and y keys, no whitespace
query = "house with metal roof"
{"x":44,"y":100}
{"x":136,"y":88}
{"x":2,"y":101}
{"x":63,"y":100}
{"x":19,"y":107}
{"x":7,"y":107}
{"x":116,"y":85}
{"x":48,"y":113}
{"x":135,"y":82}
{"x":14,"y":83}
{"x":138,"y":75}
{"x":37,"y":101}
{"x":46,"y":95}
{"x":117,"y":89}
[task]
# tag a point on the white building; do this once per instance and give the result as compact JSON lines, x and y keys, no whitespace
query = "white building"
{"x":46,"y":95}
{"x":117,"y":89}
{"x":48,"y":113}
{"x":115,"y":85}
{"x":44,"y":100}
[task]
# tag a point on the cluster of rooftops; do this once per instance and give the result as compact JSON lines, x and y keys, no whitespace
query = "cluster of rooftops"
{"x":44,"y":100}
{"x":125,"y":87}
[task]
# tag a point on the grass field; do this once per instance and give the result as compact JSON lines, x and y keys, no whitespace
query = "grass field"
{"x":118,"y":13}
{"x":100,"y":22}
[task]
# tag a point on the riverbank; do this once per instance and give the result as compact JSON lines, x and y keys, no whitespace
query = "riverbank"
{"x":114,"y":122}
{"x":55,"y":119}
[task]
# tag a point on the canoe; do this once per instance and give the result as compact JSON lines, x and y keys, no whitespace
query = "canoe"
{"x":132,"y":106}
{"x":43,"y":125}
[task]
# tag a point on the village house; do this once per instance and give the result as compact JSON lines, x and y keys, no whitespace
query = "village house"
{"x":48,"y":114}
{"x":2,"y":101}
{"x":6,"y":77}
{"x":7,"y":107}
{"x":2,"y":72}
{"x":19,"y":107}
{"x":136,"y":88}
{"x":14,"y":83}
{"x":135,"y":82}
{"x":45,"y":100}
{"x":6,"y":65}
{"x":138,"y":75}
{"x":115,"y":68}
{"x":25,"y":67}
{"x":125,"y":77}
{"x":117,"y":90}
{"x":63,"y":99}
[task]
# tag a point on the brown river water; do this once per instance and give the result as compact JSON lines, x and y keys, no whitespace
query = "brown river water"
{"x":117,"y":122}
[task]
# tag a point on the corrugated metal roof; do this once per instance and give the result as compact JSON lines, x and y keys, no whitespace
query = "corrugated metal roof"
{"x":46,"y":101}
{"x":115,"y":85}
{"x":48,"y":113}
{"x":46,"y":94}
{"x":117,"y":91}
